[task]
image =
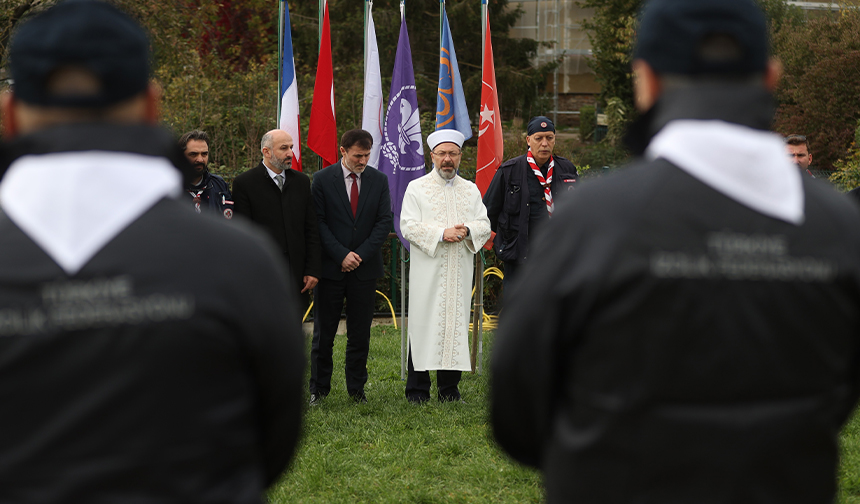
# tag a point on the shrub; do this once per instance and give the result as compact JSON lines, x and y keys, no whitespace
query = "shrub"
{"x":847,"y":173}
{"x":587,"y":123}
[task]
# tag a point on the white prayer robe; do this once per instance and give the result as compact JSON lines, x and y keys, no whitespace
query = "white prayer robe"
{"x":440,"y":273}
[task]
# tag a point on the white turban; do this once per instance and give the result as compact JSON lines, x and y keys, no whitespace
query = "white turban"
{"x":445,"y":135}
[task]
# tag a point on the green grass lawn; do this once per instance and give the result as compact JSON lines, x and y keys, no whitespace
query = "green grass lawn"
{"x":391,"y":451}
{"x":849,"y":469}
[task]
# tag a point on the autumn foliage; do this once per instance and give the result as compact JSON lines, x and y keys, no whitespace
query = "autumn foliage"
{"x":819,"y":95}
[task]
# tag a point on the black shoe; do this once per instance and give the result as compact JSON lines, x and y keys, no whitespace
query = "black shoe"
{"x":417,"y":400}
{"x":359,"y":397}
{"x":316,"y":399}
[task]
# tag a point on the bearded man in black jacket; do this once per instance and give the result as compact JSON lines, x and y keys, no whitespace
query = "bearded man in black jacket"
{"x":128,"y":374}
{"x":697,"y":337}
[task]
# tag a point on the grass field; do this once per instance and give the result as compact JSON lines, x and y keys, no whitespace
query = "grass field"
{"x":391,"y":451}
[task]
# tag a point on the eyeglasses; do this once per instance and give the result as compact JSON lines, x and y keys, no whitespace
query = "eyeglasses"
{"x":444,"y":154}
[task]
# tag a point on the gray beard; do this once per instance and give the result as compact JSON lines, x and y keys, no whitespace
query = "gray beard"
{"x":279,"y":165}
{"x":445,"y":175}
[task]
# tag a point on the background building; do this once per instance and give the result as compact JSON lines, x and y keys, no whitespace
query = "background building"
{"x":557,"y":24}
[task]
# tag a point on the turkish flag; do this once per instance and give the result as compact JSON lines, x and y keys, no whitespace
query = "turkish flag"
{"x":490,"y":143}
{"x":322,"y":132}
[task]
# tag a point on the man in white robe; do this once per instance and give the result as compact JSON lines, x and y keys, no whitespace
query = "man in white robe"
{"x":446,"y":224}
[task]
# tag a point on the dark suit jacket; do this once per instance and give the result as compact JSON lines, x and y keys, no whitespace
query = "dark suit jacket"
{"x":289,"y":216}
{"x":340,"y":233}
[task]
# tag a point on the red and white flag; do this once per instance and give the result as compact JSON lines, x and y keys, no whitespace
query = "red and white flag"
{"x":322,"y":132}
{"x":490,"y":143}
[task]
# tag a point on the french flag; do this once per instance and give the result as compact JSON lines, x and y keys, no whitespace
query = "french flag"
{"x":289,"y":120}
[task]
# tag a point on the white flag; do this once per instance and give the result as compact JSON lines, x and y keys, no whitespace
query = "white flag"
{"x":372,"y":117}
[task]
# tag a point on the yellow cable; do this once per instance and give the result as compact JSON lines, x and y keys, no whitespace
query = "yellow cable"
{"x":393,"y":316}
{"x":490,"y":322}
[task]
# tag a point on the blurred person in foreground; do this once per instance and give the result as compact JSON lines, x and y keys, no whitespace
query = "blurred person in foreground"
{"x":126,"y":375}
{"x":697,"y":338}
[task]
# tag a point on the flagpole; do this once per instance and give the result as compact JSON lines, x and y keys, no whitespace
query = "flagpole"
{"x":480,"y":292}
{"x":320,"y":10}
{"x":280,"y":55}
{"x":404,"y":334}
{"x":484,"y":15}
{"x":441,"y":13}
{"x":404,"y":342}
{"x":365,"y":33}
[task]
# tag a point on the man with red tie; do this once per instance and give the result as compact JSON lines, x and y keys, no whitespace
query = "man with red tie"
{"x":354,"y":211}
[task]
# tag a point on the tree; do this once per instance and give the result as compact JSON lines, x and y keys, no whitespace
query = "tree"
{"x":846,"y":175}
{"x":819,"y":94}
{"x":612,"y":36}
{"x":217,"y":61}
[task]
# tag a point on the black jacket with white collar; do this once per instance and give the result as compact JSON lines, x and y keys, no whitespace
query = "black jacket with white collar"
{"x":687,"y":342}
{"x":128,"y":372}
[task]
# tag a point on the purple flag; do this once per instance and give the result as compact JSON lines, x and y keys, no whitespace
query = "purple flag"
{"x":402,"y":153}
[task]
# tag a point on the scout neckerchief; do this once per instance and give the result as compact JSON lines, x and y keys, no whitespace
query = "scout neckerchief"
{"x":545,"y":182}
{"x":196,"y":197}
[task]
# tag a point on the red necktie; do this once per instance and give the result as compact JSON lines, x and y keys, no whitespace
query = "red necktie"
{"x":353,"y":194}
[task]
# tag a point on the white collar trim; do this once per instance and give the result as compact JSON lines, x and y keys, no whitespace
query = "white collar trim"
{"x":72,"y":204}
{"x":748,"y":165}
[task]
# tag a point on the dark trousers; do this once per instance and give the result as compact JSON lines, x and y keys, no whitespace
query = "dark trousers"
{"x":510,"y":271}
{"x":360,"y":298}
{"x":418,"y":383}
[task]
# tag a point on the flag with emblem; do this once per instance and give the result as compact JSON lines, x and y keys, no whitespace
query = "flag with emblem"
{"x":402,"y":154}
{"x":490,"y":143}
{"x":451,"y":111}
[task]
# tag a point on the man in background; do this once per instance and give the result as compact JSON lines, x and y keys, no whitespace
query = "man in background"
{"x":696,"y":338}
{"x":208,"y":191}
{"x":354,"y":211}
{"x":279,"y":198}
{"x":523,"y":193}
{"x":126,"y":375}
{"x":798,"y":150}
{"x":446,"y":224}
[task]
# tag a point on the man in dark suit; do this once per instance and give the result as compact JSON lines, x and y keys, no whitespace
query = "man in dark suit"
{"x":279,"y":199}
{"x":354,"y":212}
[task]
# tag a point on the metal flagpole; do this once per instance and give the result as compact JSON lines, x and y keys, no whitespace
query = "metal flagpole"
{"x":321,"y":18}
{"x":441,"y":11}
{"x":478,"y":315}
{"x":366,"y":2}
{"x":321,"y":4}
{"x":280,"y":55}
{"x":485,"y":13}
{"x":404,"y":342}
{"x":404,"y":337}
